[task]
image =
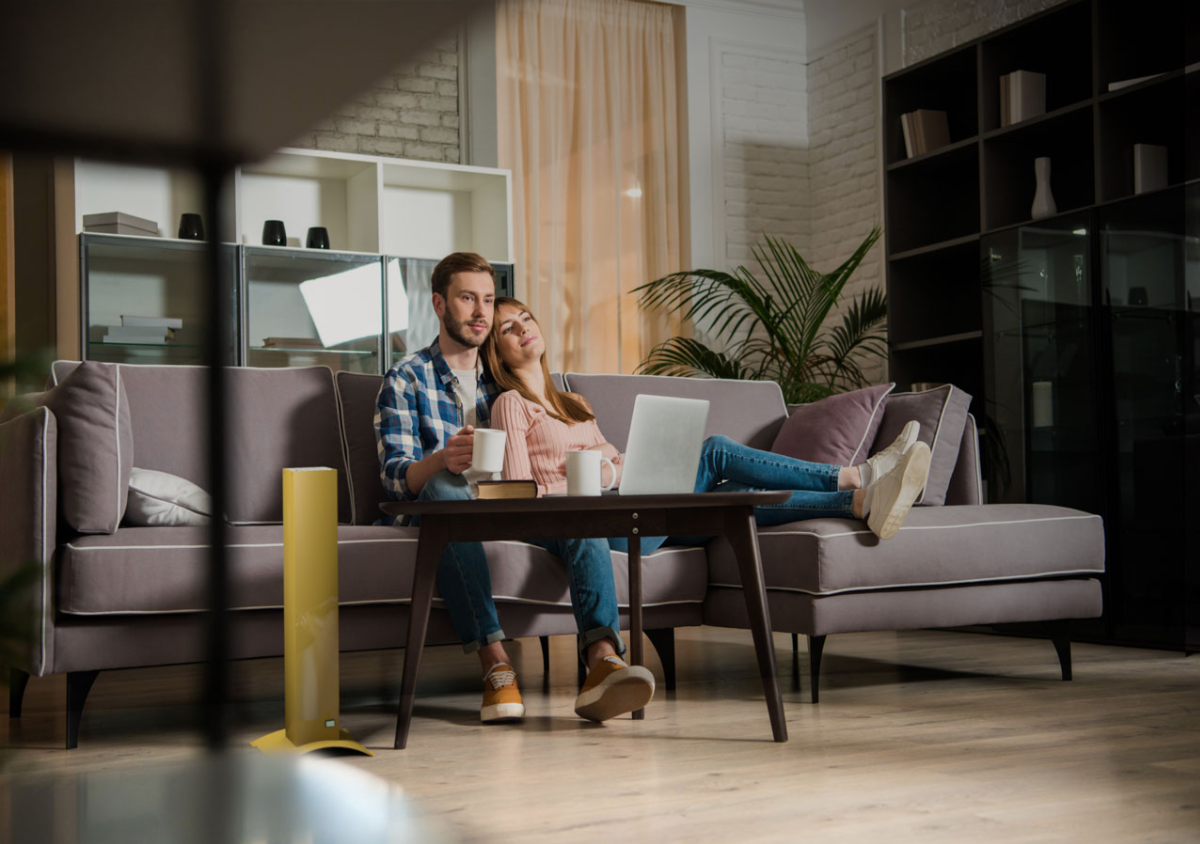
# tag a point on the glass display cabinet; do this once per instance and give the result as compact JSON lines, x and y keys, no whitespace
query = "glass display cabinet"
{"x":305,"y":307}
{"x":1040,"y":364}
{"x":143,"y":299}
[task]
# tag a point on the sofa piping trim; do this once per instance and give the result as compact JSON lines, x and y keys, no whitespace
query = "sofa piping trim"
{"x":1033,"y":577}
{"x":819,"y":536}
{"x":74,"y":547}
{"x":854,"y":461}
{"x":437,"y":600}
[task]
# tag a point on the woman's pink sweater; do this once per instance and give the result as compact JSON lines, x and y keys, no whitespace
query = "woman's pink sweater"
{"x":537,"y":443}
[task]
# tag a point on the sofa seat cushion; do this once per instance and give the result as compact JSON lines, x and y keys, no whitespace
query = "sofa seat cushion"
{"x":937,"y":546}
{"x":164,"y":569}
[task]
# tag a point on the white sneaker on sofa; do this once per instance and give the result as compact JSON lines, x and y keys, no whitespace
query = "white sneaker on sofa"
{"x":892,"y":496}
{"x":886,"y":460}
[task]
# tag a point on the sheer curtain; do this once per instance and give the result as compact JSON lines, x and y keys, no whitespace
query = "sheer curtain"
{"x":589,"y":123}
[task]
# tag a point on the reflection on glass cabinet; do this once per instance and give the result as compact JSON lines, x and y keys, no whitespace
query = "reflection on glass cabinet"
{"x":309,"y":307}
{"x":1040,"y":365}
{"x":1149,"y":284}
{"x":144,"y":300}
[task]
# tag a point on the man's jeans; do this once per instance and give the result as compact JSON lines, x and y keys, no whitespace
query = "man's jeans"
{"x":729,"y":466}
{"x":466,"y":585}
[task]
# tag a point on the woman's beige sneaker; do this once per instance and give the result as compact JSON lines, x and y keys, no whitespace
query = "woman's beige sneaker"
{"x":893,"y":494}
{"x":613,"y":688}
{"x":885,"y":461}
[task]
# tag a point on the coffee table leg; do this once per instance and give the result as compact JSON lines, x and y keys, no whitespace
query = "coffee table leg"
{"x":430,"y":546}
{"x":743,"y":536}
{"x":635,"y":609}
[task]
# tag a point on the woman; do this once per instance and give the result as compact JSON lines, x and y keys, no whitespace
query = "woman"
{"x":543,"y":424}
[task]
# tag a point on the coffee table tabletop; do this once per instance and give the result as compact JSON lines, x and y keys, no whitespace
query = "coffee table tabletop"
{"x":727,"y":514}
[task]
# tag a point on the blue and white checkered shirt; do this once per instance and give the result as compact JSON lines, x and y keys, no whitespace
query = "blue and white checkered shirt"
{"x":417,"y":410}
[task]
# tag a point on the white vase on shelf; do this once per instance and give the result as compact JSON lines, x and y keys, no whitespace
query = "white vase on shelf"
{"x":1043,"y":199}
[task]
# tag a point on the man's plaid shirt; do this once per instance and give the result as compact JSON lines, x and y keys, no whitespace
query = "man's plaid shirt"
{"x":418,"y":410}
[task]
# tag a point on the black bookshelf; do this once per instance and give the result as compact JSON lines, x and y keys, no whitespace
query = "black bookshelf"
{"x":1077,"y":333}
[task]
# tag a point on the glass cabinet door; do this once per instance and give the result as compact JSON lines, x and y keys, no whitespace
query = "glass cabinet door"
{"x":144,"y":300}
{"x":412,"y":323}
{"x":305,"y":307}
{"x":1040,"y":365}
{"x":1151,"y":297}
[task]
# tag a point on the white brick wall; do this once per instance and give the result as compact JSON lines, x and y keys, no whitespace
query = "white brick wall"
{"x":411,"y":113}
{"x":843,"y":163}
{"x":764,"y":153}
{"x":935,"y":26}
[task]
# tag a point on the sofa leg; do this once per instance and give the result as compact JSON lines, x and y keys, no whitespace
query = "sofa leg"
{"x":79,"y":683}
{"x":663,"y":640}
{"x":17,"y":681}
{"x":795,"y":643}
{"x":816,"y":644}
{"x":545,"y":640}
{"x":1062,"y":644}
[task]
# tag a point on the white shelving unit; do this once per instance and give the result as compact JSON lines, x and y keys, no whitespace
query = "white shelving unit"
{"x":369,"y":204}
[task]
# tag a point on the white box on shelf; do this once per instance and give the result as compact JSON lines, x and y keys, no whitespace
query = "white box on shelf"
{"x":118,"y":222}
{"x":1027,"y":95}
{"x":1149,"y":167}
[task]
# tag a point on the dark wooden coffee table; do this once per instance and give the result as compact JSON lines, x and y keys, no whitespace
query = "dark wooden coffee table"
{"x":728,"y":514}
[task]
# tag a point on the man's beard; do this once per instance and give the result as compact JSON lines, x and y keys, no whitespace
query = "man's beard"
{"x":457,"y":331}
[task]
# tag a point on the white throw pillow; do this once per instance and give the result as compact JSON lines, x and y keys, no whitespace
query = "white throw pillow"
{"x":157,"y":499}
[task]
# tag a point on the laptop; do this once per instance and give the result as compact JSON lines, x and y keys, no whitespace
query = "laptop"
{"x":662,"y":453}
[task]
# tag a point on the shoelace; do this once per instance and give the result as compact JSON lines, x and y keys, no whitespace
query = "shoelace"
{"x":499,"y":679}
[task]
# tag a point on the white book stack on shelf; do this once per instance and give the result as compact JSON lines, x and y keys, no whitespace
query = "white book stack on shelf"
{"x":140,"y":330}
{"x":1022,"y":96}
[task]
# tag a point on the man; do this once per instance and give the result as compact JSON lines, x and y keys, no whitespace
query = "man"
{"x":427,"y":411}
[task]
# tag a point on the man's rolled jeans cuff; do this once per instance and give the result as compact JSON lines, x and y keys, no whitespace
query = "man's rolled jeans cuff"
{"x":472,"y":647}
{"x":586,"y":640}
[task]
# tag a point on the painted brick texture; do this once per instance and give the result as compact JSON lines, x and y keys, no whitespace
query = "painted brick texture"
{"x":843,"y":165}
{"x":411,"y":113}
{"x":764,"y":119}
{"x":938,"y":25}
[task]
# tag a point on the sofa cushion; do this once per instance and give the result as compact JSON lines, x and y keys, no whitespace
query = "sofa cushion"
{"x":278,"y":418}
{"x":161,"y":499}
{"x":357,"y":396}
{"x":936,"y":546}
{"x":95,"y":443}
{"x":838,"y":430}
{"x":153,"y":569}
{"x":942,"y":413}
{"x":750,"y":412}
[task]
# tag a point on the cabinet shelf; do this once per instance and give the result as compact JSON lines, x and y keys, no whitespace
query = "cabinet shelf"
{"x":928,"y":156}
{"x":1034,"y":122}
{"x":306,"y":350}
{"x":935,"y":247}
{"x":946,"y":340}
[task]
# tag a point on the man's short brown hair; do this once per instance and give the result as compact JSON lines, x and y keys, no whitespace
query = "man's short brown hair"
{"x":458,"y":262}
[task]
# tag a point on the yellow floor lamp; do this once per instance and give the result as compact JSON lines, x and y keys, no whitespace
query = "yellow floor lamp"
{"x":310,"y":617}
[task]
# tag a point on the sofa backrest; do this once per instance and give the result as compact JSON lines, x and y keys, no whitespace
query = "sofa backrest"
{"x":750,"y":412}
{"x":279,"y":418}
{"x":966,"y":484}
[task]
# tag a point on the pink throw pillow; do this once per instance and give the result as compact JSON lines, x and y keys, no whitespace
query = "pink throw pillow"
{"x":839,"y":429}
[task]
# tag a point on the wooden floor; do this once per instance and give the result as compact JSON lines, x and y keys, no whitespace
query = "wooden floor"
{"x":919,"y":736}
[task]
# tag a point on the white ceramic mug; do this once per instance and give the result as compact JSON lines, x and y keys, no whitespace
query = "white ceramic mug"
{"x":487,"y":450}
{"x":583,"y":472}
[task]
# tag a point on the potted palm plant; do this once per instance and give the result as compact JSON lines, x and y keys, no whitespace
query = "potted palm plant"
{"x":772,"y":328}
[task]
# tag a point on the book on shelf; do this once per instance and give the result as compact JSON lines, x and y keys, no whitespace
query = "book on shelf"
{"x":925,"y":130}
{"x":1149,"y":167}
{"x":163,"y":322}
{"x":293,"y":343}
{"x":138,"y":334}
{"x":1026,"y":95}
{"x":1005,"y":100}
{"x":506,"y":489}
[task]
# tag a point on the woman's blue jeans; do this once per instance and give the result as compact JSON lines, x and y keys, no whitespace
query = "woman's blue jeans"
{"x":729,"y":466}
{"x":466,"y":585}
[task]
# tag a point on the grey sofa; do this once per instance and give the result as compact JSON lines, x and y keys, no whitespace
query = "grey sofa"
{"x":135,"y":597}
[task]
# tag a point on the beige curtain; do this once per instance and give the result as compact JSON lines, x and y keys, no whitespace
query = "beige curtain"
{"x":589,"y":123}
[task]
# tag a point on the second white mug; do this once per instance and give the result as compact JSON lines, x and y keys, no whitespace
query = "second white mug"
{"x":583,"y":473}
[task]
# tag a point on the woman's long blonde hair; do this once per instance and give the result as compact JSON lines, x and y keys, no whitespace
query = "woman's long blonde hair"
{"x":562,"y":406}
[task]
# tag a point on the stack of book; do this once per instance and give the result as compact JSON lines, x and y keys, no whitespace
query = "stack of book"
{"x":925,"y":130}
{"x":1022,"y":96}
{"x":487,"y":490}
{"x":143,"y":330}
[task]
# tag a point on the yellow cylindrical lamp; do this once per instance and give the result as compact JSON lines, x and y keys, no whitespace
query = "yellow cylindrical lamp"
{"x":310,"y":616}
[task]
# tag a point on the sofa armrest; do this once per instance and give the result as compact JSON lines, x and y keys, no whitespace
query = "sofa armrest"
{"x":29,"y":522}
{"x":966,"y":483}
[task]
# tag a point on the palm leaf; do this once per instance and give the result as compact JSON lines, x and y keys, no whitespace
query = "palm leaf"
{"x":861,"y":329}
{"x":687,"y":357}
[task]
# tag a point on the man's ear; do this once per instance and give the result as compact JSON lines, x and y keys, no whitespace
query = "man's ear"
{"x":439,"y":305}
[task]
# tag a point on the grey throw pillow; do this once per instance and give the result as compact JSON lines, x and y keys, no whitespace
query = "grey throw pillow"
{"x":838,"y":429}
{"x":942,"y":413}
